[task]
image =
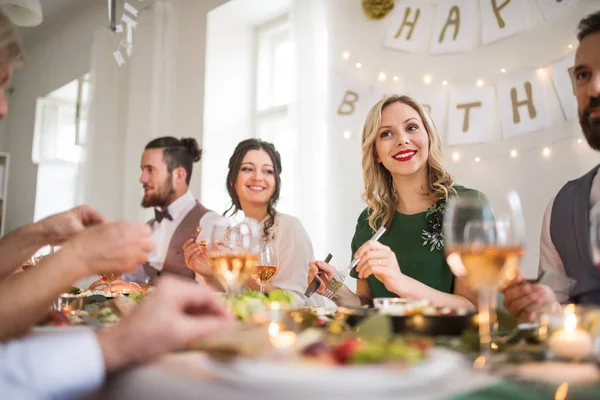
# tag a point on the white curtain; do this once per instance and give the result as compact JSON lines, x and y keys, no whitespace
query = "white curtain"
{"x":308,"y":114}
{"x":130,"y":105}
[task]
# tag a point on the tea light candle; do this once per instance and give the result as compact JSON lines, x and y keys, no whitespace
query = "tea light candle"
{"x":281,"y":339}
{"x":571,"y":342}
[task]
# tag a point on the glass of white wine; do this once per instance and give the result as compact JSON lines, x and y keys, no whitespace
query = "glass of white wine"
{"x":109,"y":278}
{"x":232,"y":252}
{"x":489,"y":239}
{"x":268,"y":265}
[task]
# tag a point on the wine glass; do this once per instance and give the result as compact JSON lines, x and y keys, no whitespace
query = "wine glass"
{"x":109,"y":278}
{"x":232,"y":252}
{"x":488,"y":242}
{"x":268,"y":265}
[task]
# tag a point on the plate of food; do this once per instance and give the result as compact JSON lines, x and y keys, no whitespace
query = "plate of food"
{"x":351,"y":364}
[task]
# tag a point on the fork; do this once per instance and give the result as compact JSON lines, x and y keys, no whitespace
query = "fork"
{"x":337,"y":281}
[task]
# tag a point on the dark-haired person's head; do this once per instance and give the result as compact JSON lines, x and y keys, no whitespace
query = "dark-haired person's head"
{"x":167,"y":164}
{"x":11,"y":54}
{"x":587,"y":78}
{"x":254,"y":177}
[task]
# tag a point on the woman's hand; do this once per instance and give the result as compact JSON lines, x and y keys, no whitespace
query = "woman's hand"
{"x":195,"y":258}
{"x":379,"y":260}
{"x":315,"y":267}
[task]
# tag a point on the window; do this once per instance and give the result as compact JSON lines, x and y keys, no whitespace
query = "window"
{"x":59,"y":136}
{"x":275,"y":92}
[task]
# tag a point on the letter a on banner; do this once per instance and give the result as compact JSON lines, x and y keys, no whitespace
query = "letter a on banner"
{"x":455,"y":27}
{"x":502,"y":18}
{"x":410,"y":26}
{"x":523,"y":104}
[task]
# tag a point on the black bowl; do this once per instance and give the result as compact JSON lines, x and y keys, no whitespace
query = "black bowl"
{"x":425,"y":325}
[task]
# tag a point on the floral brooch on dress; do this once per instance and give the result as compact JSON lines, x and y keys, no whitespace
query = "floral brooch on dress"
{"x":433,"y":236}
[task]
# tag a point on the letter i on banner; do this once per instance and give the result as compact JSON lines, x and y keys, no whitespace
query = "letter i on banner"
{"x":410,"y":26}
{"x":564,"y":83}
{"x":436,"y":103}
{"x":523,"y":104}
{"x":471,"y":116}
{"x":502,"y":18}
{"x":455,"y":27}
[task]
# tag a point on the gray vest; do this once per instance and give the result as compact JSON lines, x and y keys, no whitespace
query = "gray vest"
{"x":570,"y":233}
{"x":174,"y":260}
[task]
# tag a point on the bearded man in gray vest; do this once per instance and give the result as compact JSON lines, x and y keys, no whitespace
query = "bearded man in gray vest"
{"x":565,"y":243}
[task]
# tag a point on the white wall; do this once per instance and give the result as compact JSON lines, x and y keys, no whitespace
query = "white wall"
{"x":59,"y":59}
{"x":229,"y":102}
{"x":536,"y":178}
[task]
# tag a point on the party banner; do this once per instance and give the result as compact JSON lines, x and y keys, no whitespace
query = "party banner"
{"x":551,"y":9}
{"x":455,"y":27}
{"x":410,"y":26}
{"x":523,"y":104}
{"x":502,"y":18}
{"x":564,"y":82}
{"x":471,"y":115}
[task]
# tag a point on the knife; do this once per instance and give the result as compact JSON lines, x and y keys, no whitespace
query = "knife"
{"x":315,"y":284}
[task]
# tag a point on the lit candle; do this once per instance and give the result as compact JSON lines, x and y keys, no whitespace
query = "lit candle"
{"x":281,"y":339}
{"x":571,"y":342}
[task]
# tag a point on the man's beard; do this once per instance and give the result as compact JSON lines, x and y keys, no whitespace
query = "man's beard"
{"x":591,"y":126}
{"x":161,"y":197}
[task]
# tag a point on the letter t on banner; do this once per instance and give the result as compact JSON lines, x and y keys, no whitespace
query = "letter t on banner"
{"x":471,"y":117}
{"x":410,"y":26}
{"x":523,"y":104}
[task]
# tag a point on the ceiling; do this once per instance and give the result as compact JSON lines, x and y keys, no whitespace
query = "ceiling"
{"x":56,"y":12}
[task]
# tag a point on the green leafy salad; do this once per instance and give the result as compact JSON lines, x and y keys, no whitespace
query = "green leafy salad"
{"x":250,"y":302}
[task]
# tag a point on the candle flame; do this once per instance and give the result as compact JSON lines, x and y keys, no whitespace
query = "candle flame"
{"x":273,"y":329}
{"x":570,"y":323}
{"x":561,"y":392}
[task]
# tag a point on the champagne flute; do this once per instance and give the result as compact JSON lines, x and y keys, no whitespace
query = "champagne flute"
{"x":488,"y":241}
{"x":232,"y":252}
{"x":268,"y":265}
{"x":109,"y":278}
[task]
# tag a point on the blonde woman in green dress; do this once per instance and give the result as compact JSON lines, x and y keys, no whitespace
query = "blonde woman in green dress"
{"x":406,"y":188}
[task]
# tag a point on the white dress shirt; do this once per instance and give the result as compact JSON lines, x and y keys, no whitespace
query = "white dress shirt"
{"x":54,"y":366}
{"x":162,"y":231}
{"x":549,"y":258}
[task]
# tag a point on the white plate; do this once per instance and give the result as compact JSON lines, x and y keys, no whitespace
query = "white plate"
{"x":364,"y":378}
{"x":44,"y":330}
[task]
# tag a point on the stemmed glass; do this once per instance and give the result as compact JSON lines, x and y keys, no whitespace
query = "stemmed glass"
{"x":232,"y":252}
{"x":268,"y":265}
{"x":109,"y":278}
{"x":488,"y":239}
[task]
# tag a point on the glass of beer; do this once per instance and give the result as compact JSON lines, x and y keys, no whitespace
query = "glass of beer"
{"x":487,"y":241}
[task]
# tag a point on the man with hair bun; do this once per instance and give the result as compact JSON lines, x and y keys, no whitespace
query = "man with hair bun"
{"x":167,"y":165}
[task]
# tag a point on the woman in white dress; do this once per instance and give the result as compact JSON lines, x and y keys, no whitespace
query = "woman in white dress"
{"x":254,"y":184}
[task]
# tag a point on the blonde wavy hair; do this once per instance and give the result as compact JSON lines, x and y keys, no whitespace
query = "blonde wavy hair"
{"x":11,"y":52}
{"x":380,"y":194}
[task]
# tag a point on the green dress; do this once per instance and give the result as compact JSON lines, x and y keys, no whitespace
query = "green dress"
{"x":416,"y":259}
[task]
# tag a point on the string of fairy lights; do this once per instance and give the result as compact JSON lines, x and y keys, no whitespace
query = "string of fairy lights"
{"x":544,"y":151}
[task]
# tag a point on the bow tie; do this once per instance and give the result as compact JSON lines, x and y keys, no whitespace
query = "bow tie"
{"x":159,"y":215}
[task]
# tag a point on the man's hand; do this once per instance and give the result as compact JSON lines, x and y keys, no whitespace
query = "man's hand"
{"x":59,"y":228}
{"x":524,"y":300}
{"x":173,"y":316}
{"x":116,"y":247}
{"x":195,"y":258}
